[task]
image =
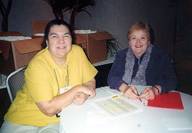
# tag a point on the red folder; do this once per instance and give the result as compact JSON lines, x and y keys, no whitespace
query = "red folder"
{"x":170,"y":100}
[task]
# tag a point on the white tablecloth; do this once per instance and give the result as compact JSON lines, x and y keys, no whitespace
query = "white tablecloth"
{"x":82,"y":119}
{"x":13,"y":38}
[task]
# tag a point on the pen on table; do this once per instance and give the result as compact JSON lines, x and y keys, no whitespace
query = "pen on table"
{"x":115,"y":96}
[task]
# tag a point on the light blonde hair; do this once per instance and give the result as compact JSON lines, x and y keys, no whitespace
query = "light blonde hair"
{"x":139,"y":26}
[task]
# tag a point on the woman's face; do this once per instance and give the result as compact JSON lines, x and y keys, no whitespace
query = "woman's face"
{"x":59,"y":41}
{"x":139,"y":41}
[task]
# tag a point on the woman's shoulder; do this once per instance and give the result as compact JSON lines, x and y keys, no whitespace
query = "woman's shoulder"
{"x":76,"y":53}
{"x":41,"y":54}
{"x":76,"y":49}
{"x":122,"y":52}
{"x":42,"y":57}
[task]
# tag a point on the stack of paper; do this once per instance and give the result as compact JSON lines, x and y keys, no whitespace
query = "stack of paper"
{"x":116,"y":106}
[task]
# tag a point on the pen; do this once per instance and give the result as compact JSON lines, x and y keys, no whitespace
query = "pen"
{"x":139,"y":97}
{"x":115,"y":96}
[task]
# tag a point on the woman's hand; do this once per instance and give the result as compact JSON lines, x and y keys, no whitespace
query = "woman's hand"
{"x":129,"y":91}
{"x":149,"y":93}
{"x":84,"y":91}
{"x":77,"y":94}
{"x":80,"y":98}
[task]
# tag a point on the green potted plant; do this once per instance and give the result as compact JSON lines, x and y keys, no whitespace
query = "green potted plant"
{"x":71,"y":7}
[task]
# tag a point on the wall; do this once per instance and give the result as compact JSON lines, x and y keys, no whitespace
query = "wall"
{"x":114,"y":16}
{"x":25,"y":11}
{"x":184,"y":29}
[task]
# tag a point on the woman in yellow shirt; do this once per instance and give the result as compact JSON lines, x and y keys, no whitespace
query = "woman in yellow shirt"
{"x":57,"y":76}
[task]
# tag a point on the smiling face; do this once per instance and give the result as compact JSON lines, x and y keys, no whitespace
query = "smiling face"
{"x":59,"y":42}
{"x":138,"y":42}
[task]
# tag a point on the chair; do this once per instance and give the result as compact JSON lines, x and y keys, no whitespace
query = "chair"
{"x":14,"y":82}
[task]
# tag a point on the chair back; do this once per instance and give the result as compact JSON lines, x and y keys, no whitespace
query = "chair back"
{"x":14,"y":82}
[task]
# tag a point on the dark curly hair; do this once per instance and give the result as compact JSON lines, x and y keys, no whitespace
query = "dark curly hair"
{"x":51,"y":24}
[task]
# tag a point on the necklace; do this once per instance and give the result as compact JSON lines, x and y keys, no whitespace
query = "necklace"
{"x":66,"y":79}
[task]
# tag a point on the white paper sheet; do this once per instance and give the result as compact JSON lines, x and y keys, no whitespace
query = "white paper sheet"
{"x":115,"y":106}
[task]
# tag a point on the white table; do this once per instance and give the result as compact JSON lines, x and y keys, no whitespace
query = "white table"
{"x":14,"y":38}
{"x":107,"y":61}
{"x":77,"y":119}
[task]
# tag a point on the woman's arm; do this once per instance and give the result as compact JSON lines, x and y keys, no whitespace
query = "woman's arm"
{"x":117,"y":70}
{"x":55,"y":105}
{"x":160,"y":71}
{"x":81,"y":97}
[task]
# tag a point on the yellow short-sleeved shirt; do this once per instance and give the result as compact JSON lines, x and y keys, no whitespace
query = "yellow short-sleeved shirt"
{"x":43,"y":78}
